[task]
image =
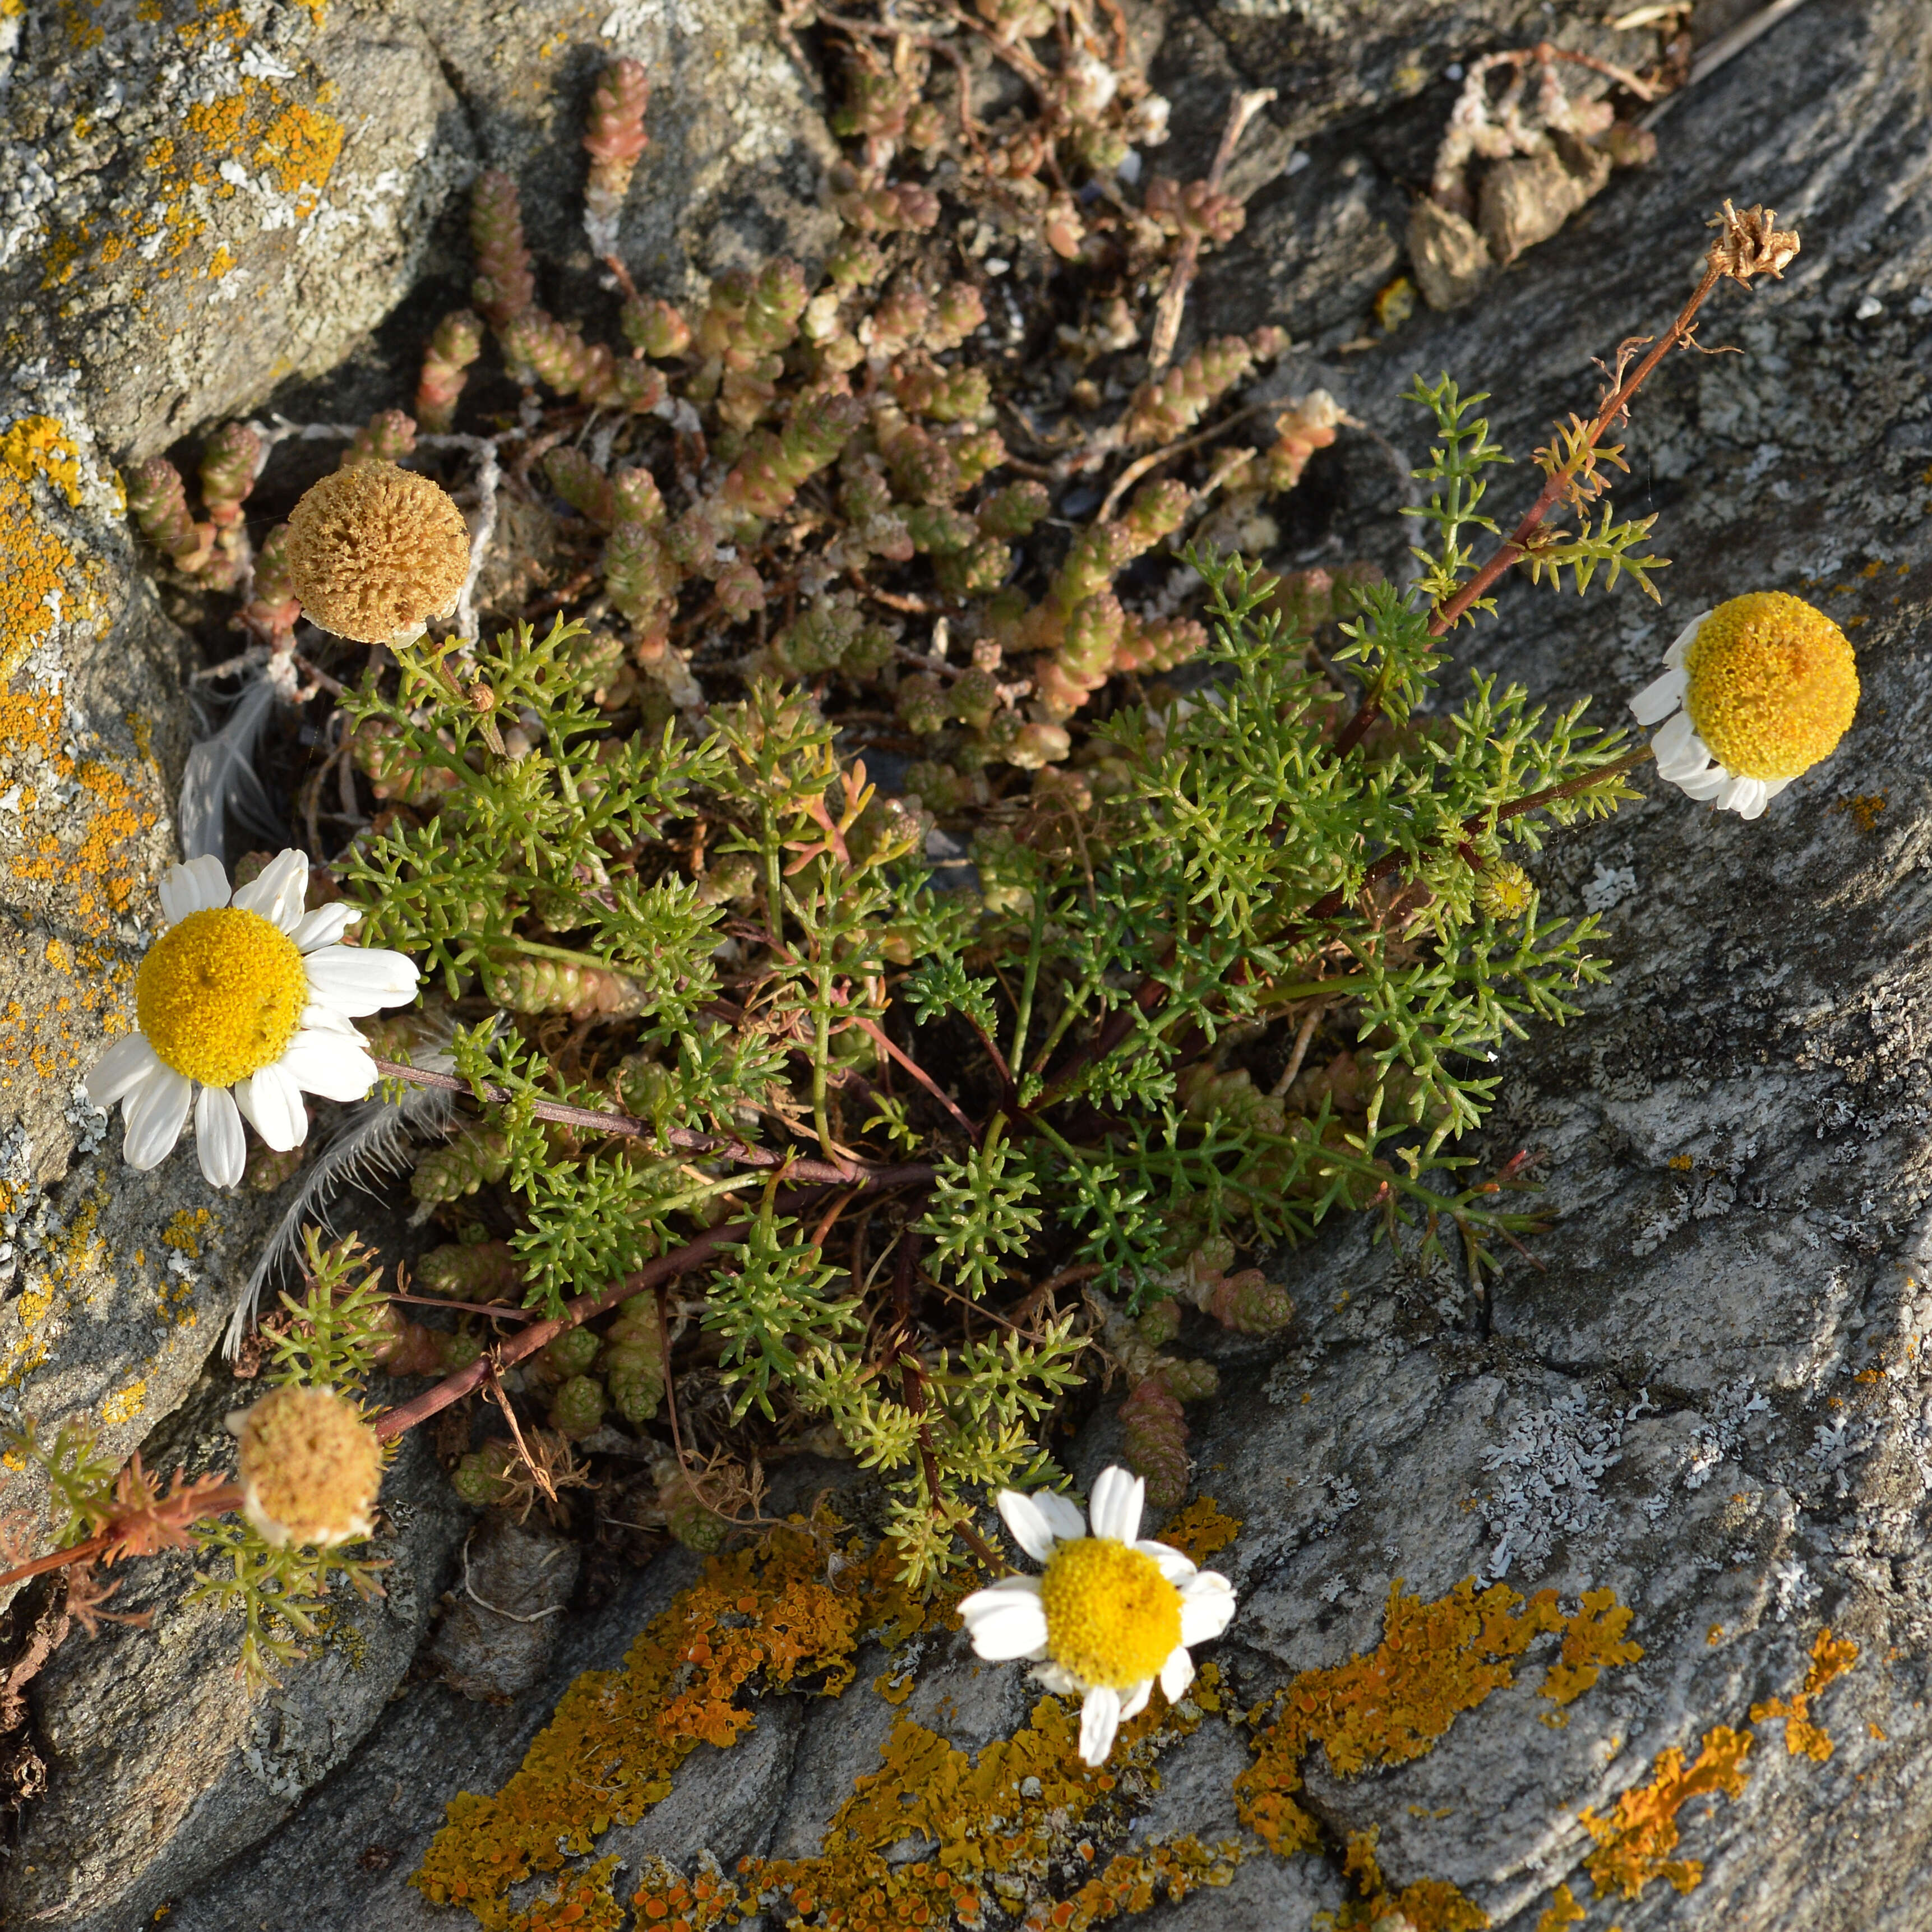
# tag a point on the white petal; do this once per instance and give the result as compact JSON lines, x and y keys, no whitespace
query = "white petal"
{"x":1674,"y":657}
{"x":1062,"y":1513}
{"x":120,"y":1069}
{"x":1657,"y":700}
{"x":155,"y":1112}
{"x":1100,"y":1719}
{"x":1745,"y":797}
{"x":1005,"y":1624}
{"x":359,"y":980}
{"x":327,"y":1063}
{"x":318,"y":1014}
{"x":277,"y":891}
{"x":1115,"y":1508}
{"x":199,"y":885}
{"x":1175,"y":1567}
{"x":325,"y":926}
{"x":1773,"y":786}
{"x":1206,"y":1607}
{"x":1671,"y":747}
{"x":271,"y":1103}
{"x":218,"y":1138}
{"x":1177,"y":1673}
{"x":1028,"y":1522}
{"x":1706,"y":783}
{"x":1057,"y":1678}
{"x":1137,"y":1700}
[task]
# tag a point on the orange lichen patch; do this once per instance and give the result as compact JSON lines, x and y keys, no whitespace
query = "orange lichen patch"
{"x":989,"y":1818}
{"x":1634,"y":1842}
{"x":767,"y":1614}
{"x":1134,"y":1881}
{"x":1393,"y":1703}
{"x":1430,"y":1905}
{"x":1831,"y":1657}
{"x":1593,"y":1642}
{"x":1201,"y":1530}
{"x":1562,"y":1910}
{"x":34,"y":567}
{"x":300,"y":148}
{"x":30,"y":721}
{"x":41,"y":446}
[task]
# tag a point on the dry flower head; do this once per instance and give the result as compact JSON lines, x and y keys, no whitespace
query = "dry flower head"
{"x":1751,"y":243}
{"x":311,"y":1466}
{"x":373,"y":550}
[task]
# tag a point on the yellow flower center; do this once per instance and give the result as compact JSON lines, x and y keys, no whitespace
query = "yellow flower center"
{"x":220,"y":995}
{"x":1773,"y":685}
{"x":1112,"y":1617}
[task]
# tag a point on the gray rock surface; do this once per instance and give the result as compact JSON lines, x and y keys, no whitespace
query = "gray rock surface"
{"x":197,"y":208}
{"x":112,"y":1285}
{"x":1734,"y":1137}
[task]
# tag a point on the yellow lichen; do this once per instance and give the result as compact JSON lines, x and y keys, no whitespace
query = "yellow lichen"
{"x":780,"y":1614}
{"x":1430,"y":1905}
{"x":33,"y":568}
{"x":41,"y":446}
{"x":1201,"y":1530}
{"x":1831,"y":1657}
{"x":1634,"y":1842}
{"x":607,"y":1755}
{"x":125,"y":1404}
{"x":1562,"y":1910}
{"x":992,"y":1820}
{"x":1392,"y":1704}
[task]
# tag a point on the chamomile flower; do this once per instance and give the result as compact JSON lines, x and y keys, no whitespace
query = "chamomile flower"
{"x":1110,"y":1614}
{"x":1754,"y":693}
{"x":243,"y":1005}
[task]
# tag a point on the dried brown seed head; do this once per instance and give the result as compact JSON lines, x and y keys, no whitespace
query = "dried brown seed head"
{"x":373,"y":550}
{"x":1751,"y":243}
{"x":310,"y":1467}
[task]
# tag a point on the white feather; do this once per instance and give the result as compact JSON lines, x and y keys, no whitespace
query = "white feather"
{"x":219,"y":776}
{"x":377,"y":1139}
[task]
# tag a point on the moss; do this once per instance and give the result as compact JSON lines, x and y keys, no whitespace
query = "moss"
{"x":1393,"y":1704}
{"x":1831,"y":1657}
{"x":1634,"y":1842}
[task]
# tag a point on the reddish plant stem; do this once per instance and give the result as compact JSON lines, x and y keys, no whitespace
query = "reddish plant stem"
{"x":1516,"y":545}
{"x":399,"y":1421}
{"x":912,"y":1374}
{"x":595,"y":1121}
{"x":215,"y":1502}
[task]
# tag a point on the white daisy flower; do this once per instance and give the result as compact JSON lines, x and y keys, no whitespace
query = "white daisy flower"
{"x":243,"y":1005}
{"x":1110,"y":1615}
{"x":1754,"y":692}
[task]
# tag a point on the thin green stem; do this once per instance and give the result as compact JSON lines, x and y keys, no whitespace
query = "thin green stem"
{"x":1024,"y":1018}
